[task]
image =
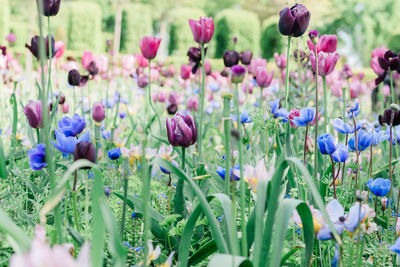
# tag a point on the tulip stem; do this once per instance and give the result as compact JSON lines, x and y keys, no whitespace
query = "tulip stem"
{"x":287,"y":75}
{"x":242,"y":185}
{"x":392,"y":88}
{"x":125,"y":166}
{"x":305,"y":146}
{"x":97,"y":136}
{"x":179,"y":201}
{"x":115,"y":119}
{"x":50,"y":55}
{"x":201,"y":109}
{"x":316,"y":118}
{"x":74,"y":95}
{"x":390,"y":175}
{"x":333,"y":177}
{"x":150,"y":100}
{"x":325,"y":104}
{"x":227,"y":132}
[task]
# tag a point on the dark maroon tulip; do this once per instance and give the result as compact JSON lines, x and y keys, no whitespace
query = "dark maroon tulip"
{"x":245,"y":57}
{"x":33,"y":112}
{"x":85,"y":150}
{"x":84,"y":80}
{"x":238,"y":73}
{"x":181,"y":130}
{"x":389,"y":61}
{"x":34,"y":47}
{"x":142,"y":81}
{"x":93,"y":69}
{"x":50,"y":7}
{"x":172,"y":108}
{"x":61,"y":100}
{"x":3,"y":50}
{"x":194,"y":55}
{"x":294,"y":21}
{"x":98,"y":112}
{"x":74,"y":78}
{"x":387,"y":116}
{"x":231,"y":58}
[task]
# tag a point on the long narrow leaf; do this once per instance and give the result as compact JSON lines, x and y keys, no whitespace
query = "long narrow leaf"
{"x":8,"y":227}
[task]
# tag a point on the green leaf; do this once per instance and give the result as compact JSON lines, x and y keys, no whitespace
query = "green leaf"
{"x":7,"y":226}
{"x":76,"y":236}
{"x":219,"y":260}
{"x":215,"y":228}
{"x":206,"y":250}
{"x":290,"y":253}
{"x":3,"y":168}
{"x":284,"y":214}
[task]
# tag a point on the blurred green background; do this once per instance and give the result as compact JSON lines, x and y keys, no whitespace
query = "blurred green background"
{"x":361,"y":25}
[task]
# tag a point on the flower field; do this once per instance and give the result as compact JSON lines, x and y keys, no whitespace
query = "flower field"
{"x":228,"y":154}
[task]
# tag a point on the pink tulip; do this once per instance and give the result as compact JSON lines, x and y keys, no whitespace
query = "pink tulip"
{"x":207,"y":67}
{"x":11,"y":38}
{"x":87,"y":58}
{"x":128,"y":63}
{"x":280,"y":60}
{"x":255,"y":63}
{"x":326,"y":62}
{"x":65,"y":108}
{"x":193,"y":104}
{"x":379,"y":51}
{"x":162,"y":96}
{"x":101,"y":63}
{"x":327,"y":44}
{"x":60,"y":48}
{"x":142,"y":61}
{"x":185,"y":71}
{"x":247,"y":87}
{"x":264,"y":79}
{"x":154,"y":75}
{"x":292,"y":115}
{"x":154,"y":96}
{"x":202,"y":29}
{"x":386,"y":90}
{"x":149,"y":46}
{"x":376,"y":67}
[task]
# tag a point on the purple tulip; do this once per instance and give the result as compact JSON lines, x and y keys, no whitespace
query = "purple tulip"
{"x":326,"y":62}
{"x":264,"y":79}
{"x":98,"y":112}
{"x":85,"y":150}
{"x":33,"y":112}
{"x":34,"y":46}
{"x":294,"y":21}
{"x":74,"y":77}
{"x":181,"y":130}
{"x":238,"y":73}
{"x":231,"y":58}
{"x":50,"y":7}
{"x":245,"y":57}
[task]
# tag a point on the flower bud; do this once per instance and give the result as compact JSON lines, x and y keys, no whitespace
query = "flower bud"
{"x":98,"y":112}
{"x":149,"y":46}
{"x":238,"y":73}
{"x":33,"y":112}
{"x":172,"y":108}
{"x":245,"y":57}
{"x":294,"y":21}
{"x":231,"y":58}
{"x":74,"y":78}
{"x":85,"y":150}
{"x":313,"y":36}
{"x":202,"y":30}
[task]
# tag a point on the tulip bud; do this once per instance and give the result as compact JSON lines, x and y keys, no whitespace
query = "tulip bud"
{"x":85,"y":150}
{"x":74,"y":78}
{"x":142,"y":81}
{"x":394,"y":107}
{"x":181,"y":130}
{"x":185,"y":71}
{"x":294,"y":21}
{"x":50,"y":7}
{"x":231,"y":58}
{"x":172,"y":108}
{"x":33,"y":112}
{"x":238,"y":73}
{"x":245,"y":57}
{"x":98,"y":112}
{"x":313,"y":36}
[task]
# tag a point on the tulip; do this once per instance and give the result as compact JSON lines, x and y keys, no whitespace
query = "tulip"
{"x":326,"y":44}
{"x":65,"y":108}
{"x":149,"y":46}
{"x":193,"y":104}
{"x":11,"y":38}
{"x":231,"y":58}
{"x":326,"y":62}
{"x":114,"y":154}
{"x":207,"y":67}
{"x":245,"y":57}
{"x":50,"y":7}
{"x":294,"y":21}
{"x":387,"y":117}
{"x":87,"y":58}
{"x":185,"y":71}
{"x":238,"y":73}
{"x":379,"y":187}
{"x":33,"y":112}
{"x":346,"y":72}
{"x":98,"y":112}
{"x":142,"y":81}
{"x":60,"y":48}
{"x":247,"y":87}
{"x":34,"y":46}
{"x":71,"y":126}
{"x":341,"y":153}
{"x":326,"y":143}
{"x":292,"y":115}
{"x":172,"y":108}
{"x":202,"y":30}
{"x":85,"y":150}
{"x":93,"y":69}
{"x":74,"y":78}
{"x":280,"y":60}
{"x":264,"y":79}
{"x":255,"y":64}
{"x":194,"y":55}
{"x":181,"y":130}
{"x":37,"y":157}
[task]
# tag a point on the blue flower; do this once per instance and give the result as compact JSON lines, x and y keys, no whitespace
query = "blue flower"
{"x":274,"y":106}
{"x":165,"y":170}
{"x":364,"y":140}
{"x":354,"y":110}
{"x":244,"y":117}
{"x":396,"y":246}
{"x":134,"y":215}
{"x":283,"y":114}
{"x":326,"y":144}
{"x":379,"y":187}
{"x":107,"y":191}
{"x":336,"y":257}
{"x":37,"y":157}
{"x":342,"y":127}
{"x":378,"y":137}
{"x":341,"y":153}
{"x":71,"y":126}
{"x":326,"y":234}
{"x":214,"y":86}
{"x":354,"y":217}
{"x":307,"y":116}
{"x":106,"y":135}
{"x":114,"y":154}
{"x":66,"y":144}
{"x":233,"y":173}
{"x":122,"y":115}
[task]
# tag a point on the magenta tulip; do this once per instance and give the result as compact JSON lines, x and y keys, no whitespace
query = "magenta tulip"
{"x":33,"y":112}
{"x":98,"y":112}
{"x":202,"y":29}
{"x":326,"y":62}
{"x":326,"y":43}
{"x":149,"y":46}
{"x":264,"y":79}
{"x":280,"y":60}
{"x":185,"y":71}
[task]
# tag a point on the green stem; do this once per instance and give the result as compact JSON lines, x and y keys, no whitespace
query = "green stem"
{"x":344,"y":102}
{"x":242,"y":184}
{"x":126,"y":171}
{"x":227,"y":132}
{"x":146,"y":200}
{"x":287,"y":75}
{"x":392,"y":88}
{"x":49,"y":88}
{"x":325,"y":104}
{"x":316,"y":120}
{"x":201,"y":109}
{"x":115,"y":119}
{"x":97,"y":136}
{"x":390,"y":177}
{"x":74,"y":202}
{"x":74,"y":95}
{"x":179,"y":201}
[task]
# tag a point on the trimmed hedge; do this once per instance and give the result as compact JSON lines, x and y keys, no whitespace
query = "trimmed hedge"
{"x":271,"y":39}
{"x":242,"y":24}
{"x":136,"y":23}
{"x":180,"y":34}
{"x":83,"y":26}
{"x":4,"y":19}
